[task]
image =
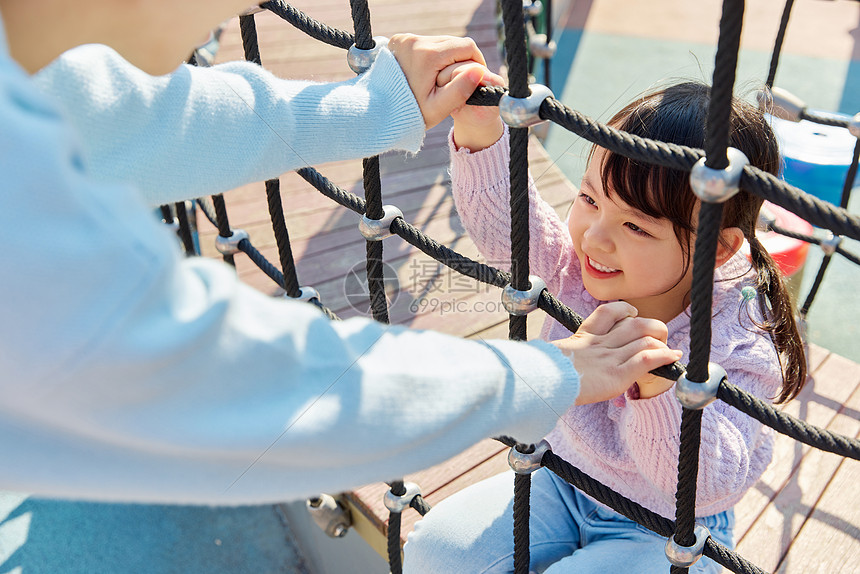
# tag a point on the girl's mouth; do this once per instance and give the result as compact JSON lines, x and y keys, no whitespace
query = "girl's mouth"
{"x":598,"y":269}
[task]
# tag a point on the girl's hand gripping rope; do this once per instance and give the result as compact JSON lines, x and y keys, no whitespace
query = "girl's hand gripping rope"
{"x":614,"y":348}
{"x":422,"y":58}
{"x":475,"y":127}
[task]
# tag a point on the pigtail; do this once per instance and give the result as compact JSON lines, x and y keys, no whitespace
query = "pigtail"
{"x":776,"y":306}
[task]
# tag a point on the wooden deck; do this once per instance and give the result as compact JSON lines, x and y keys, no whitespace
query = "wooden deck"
{"x":803,"y":516}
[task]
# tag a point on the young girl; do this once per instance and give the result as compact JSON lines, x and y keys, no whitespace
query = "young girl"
{"x":629,"y":236}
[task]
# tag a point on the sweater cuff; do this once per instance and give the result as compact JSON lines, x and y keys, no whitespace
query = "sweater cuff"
{"x":403,"y":115}
{"x":484,"y":169}
{"x":653,"y":419}
{"x":548,"y":385}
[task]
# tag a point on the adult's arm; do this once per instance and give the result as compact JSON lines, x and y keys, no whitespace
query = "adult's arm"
{"x":130,"y":373}
{"x":200,"y":131}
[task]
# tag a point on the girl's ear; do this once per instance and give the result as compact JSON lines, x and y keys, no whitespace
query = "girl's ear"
{"x":731,"y":239}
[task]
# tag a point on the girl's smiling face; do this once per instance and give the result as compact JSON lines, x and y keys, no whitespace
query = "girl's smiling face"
{"x":625,"y":254}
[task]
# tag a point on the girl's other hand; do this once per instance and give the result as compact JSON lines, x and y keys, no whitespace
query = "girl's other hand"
{"x":475,"y":127}
{"x":614,"y":348}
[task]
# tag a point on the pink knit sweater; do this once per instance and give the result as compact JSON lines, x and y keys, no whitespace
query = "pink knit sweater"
{"x":632,"y":445}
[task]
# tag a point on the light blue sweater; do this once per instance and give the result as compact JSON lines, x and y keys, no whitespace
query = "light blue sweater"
{"x":128,"y":372}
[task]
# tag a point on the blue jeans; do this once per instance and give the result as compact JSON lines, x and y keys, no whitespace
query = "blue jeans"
{"x":471,"y":532}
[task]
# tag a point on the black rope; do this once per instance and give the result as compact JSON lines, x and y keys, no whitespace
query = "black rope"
{"x":824,"y":118}
{"x":248,"y":30}
{"x":825,"y":262}
{"x":767,"y":186}
{"x":272,"y":272}
{"x":707,"y":237}
{"x":521,"y":511}
{"x":290,"y":282}
{"x":361,"y":23}
{"x":777,"y":45}
{"x":460,"y":263}
{"x":309,"y":26}
{"x":788,"y":425}
{"x":222,"y":222}
{"x":638,"y":513}
{"x":394,"y":561}
{"x":185,"y":229}
{"x":725,"y":66}
{"x":282,"y":238}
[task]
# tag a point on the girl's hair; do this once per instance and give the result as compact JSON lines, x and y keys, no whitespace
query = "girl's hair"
{"x":678,"y":114}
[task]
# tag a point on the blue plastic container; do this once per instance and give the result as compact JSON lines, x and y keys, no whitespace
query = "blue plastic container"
{"x":817,"y":157}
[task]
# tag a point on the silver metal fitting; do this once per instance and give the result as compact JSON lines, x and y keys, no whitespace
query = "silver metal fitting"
{"x":305,"y":294}
{"x":360,"y":61}
{"x":830,"y":243}
{"x":532,"y":8}
{"x":854,"y":126}
{"x":766,"y":218}
{"x":696,"y":396}
{"x":379,"y":229}
{"x":205,"y":53}
{"x":524,"y":112}
{"x":527,"y":463}
{"x":523,"y":302}
{"x":400,"y":503}
{"x":686,"y":556}
{"x":329,"y":514}
{"x":781,"y":104}
{"x":230,"y":245}
{"x":718,"y":185}
{"x":253,"y":10}
{"x":541,"y":47}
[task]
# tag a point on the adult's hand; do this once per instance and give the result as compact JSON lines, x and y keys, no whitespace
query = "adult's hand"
{"x":613,"y":348}
{"x":422,"y":58}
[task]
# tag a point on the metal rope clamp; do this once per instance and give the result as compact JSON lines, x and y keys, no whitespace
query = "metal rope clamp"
{"x":686,"y":556}
{"x":230,"y":245}
{"x":830,"y":244}
{"x":360,"y":60}
{"x":329,"y":514}
{"x":524,"y":112}
{"x":305,"y":295}
{"x":854,"y":126}
{"x":542,"y":47}
{"x":523,"y":302}
{"x":694,"y":395}
{"x":379,"y":229}
{"x":718,"y":185}
{"x":399,"y":503}
{"x":527,"y":462}
{"x":532,"y":9}
{"x":781,"y":103}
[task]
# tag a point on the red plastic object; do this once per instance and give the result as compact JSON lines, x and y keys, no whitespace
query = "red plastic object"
{"x":788,"y":253}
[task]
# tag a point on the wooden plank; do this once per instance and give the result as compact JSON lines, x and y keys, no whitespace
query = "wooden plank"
{"x":793,"y":484}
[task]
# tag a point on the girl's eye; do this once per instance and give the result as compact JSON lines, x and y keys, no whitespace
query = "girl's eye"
{"x":587,"y":199}
{"x":637,"y":230}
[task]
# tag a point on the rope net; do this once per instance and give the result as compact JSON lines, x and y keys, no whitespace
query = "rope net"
{"x":816,"y":211}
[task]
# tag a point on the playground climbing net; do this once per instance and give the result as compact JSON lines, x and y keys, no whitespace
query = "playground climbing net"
{"x":522,"y":105}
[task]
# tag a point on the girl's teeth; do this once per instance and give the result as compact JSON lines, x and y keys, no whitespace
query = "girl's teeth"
{"x":600,"y":267}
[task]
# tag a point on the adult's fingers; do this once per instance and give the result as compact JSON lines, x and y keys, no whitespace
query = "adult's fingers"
{"x":641,"y":362}
{"x":449,"y":72}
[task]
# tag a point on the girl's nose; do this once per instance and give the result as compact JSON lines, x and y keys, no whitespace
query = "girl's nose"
{"x":596,"y":236}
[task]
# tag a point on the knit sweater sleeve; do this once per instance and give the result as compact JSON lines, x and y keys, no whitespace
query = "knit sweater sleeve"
{"x":130,"y":373}
{"x":735,"y":448}
{"x":482,"y":189}
{"x":200,"y":131}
